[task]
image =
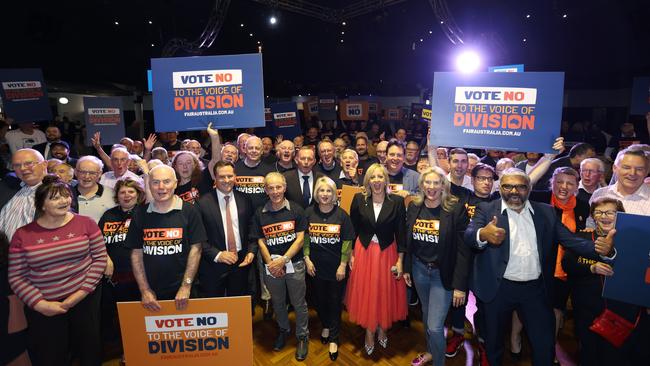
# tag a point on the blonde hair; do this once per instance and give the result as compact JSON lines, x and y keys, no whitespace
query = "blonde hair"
{"x":277,"y":175}
{"x":329,"y":183}
{"x":366,"y":179}
{"x":447,"y":200}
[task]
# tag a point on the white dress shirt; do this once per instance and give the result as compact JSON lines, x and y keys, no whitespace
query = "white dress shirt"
{"x":233,"y":216}
{"x":523,"y":264}
{"x":311,"y":183}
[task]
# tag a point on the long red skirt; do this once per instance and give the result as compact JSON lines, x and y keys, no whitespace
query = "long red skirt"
{"x":373,"y":296}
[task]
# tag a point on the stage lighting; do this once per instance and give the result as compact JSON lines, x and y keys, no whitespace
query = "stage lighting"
{"x":273,"y":20}
{"x":63,"y":100}
{"x":468,"y":61}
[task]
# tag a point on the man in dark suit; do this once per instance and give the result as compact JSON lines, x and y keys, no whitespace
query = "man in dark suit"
{"x":513,"y":269}
{"x":301,"y":181}
{"x":228,"y":252}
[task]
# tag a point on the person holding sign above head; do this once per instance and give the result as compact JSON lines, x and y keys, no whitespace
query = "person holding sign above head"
{"x":166,"y":237}
{"x":279,"y":228}
{"x":403,"y":181}
{"x":436,"y":260}
{"x":327,"y":248}
{"x":376,"y":294}
{"x":517,"y":241}
{"x":228,"y":251}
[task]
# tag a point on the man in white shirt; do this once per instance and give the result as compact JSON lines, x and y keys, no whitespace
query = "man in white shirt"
{"x":93,"y":198}
{"x":301,"y":181}
{"x":517,"y":244}
{"x":120,"y":169}
{"x":458,"y":164}
{"x":26,"y":136}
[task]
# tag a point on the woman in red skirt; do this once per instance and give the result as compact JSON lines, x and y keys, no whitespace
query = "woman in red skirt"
{"x":376,"y":293}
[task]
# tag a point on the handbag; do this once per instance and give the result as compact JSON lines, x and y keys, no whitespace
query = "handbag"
{"x":613,"y":327}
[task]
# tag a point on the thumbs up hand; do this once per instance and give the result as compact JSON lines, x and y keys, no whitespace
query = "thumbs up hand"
{"x":492,"y":233}
{"x":604,"y":245}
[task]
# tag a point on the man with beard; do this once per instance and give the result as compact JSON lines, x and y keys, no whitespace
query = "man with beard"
{"x":402,"y":181}
{"x":412,"y":154}
{"x":328,"y":164}
{"x":52,"y":134}
{"x":516,"y":243}
{"x":61,"y":150}
{"x":365,"y":160}
{"x":527,"y":165}
{"x":285,"y":152}
{"x":250,"y":173}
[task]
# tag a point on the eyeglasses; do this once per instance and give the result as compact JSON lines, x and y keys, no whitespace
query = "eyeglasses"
{"x":509,"y":187}
{"x":610,"y":214}
{"x":87,"y":172}
{"x":26,"y":164}
{"x":482,"y":179}
{"x":590,"y":171}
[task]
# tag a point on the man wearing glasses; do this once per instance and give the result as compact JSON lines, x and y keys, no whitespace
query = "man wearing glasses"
{"x":516,"y":240}
{"x":119,"y":169}
{"x":93,"y":198}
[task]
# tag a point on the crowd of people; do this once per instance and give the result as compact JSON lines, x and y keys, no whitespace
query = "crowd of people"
{"x":160,"y":218}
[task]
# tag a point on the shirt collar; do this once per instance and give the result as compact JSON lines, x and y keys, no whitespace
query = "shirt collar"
{"x":268,"y":207}
{"x":177,"y":205}
{"x":527,"y":206}
{"x":252,"y":166}
{"x":100,"y":190}
{"x":643,"y":191}
{"x":301,"y":174}
{"x":221,"y":195}
{"x":24,"y":185}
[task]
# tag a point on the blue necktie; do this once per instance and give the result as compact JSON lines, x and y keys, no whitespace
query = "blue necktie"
{"x":305,"y":190}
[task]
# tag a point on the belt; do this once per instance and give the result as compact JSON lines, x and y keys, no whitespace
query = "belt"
{"x":523,"y":282}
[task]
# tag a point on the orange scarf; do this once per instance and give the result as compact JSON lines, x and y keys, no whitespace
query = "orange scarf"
{"x":569,"y":220}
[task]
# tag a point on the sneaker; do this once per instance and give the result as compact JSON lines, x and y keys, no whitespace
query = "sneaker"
{"x":302,"y":349}
{"x":454,"y":343}
{"x":281,"y":340}
{"x":482,"y":355}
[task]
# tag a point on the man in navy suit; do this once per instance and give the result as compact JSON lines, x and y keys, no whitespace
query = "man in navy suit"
{"x":228,"y":252}
{"x":513,"y":270}
{"x":301,"y":181}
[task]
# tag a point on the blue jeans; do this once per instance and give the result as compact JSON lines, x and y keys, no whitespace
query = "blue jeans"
{"x":435,"y":304}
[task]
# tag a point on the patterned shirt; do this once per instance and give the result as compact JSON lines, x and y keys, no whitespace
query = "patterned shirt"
{"x":19,"y":211}
{"x":52,"y":264}
{"x":637,"y":203}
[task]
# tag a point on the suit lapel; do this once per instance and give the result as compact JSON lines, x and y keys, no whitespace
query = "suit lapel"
{"x":216,"y":212}
{"x":538,"y":220}
{"x":502,"y":222}
{"x":386,"y":207}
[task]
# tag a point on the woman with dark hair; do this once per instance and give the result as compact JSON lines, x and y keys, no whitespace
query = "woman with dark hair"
{"x":328,"y":243}
{"x":436,"y":259}
{"x":188,"y":169}
{"x":55,"y":267}
{"x":586,"y":283}
{"x":376,"y":295}
{"x":120,"y":284}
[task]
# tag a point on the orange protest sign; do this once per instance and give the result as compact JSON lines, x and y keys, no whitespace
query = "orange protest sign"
{"x":347,"y":194}
{"x":353,"y":111}
{"x":208,"y":332}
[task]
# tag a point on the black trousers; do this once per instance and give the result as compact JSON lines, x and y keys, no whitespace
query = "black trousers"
{"x":51,"y":339}
{"x":535,"y":311}
{"x":328,"y":296}
{"x":112,"y":293}
{"x":233,"y":282}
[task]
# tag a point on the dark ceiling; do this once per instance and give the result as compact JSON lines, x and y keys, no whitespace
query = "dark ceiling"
{"x":599,"y":44}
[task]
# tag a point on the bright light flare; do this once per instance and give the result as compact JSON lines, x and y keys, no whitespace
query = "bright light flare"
{"x":468,"y":61}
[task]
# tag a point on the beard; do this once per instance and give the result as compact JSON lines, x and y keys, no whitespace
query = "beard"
{"x":515,"y":201}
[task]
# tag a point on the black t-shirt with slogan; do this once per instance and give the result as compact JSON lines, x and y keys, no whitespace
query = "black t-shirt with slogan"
{"x":472,"y":201}
{"x":165,"y":240}
{"x":251,"y":181}
{"x":187,"y":192}
{"x":395,"y":182}
{"x":279,"y":228}
{"x":114,"y":225}
{"x":426,"y":232}
{"x":327,"y":231}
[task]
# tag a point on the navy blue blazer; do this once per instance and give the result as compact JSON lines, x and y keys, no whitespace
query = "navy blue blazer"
{"x":490,"y":261}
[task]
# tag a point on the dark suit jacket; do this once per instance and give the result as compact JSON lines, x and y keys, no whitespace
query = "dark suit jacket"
{"x":454,"y":256}
{"x":208,"y":205}
{"x":490,"y":262}
{"x":389,"y":226}
{"x":294,"y":186}
{"x":41,"y":148}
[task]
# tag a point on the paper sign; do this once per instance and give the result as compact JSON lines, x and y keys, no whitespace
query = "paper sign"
{"x":285,"y":120}
{"x":104,"y":115}
{"x":347,"y":194}
{"x":507,"y":68}
{"x":503,"y":111}
{"x":214,"y":331}
{"x":354,"y":110}
{"x":190,"y":92}
{"x":24,"y":95}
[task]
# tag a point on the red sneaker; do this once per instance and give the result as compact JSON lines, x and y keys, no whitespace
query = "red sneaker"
{"x":482,"y":355}
{"x":454,"y":343}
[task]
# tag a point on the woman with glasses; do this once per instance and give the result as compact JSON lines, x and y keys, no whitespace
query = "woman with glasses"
{"x":327,"y":248}
{"x":114,"y":224}
{"x":436,"y":259}
{"x":585,"y":279}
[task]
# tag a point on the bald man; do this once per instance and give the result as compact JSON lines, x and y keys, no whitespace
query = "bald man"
{"x":251,"y":171}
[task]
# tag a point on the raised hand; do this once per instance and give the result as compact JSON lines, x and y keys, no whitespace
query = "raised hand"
{"x":492,"y":233}
{"x":150,"y":141}
{"x":96,"y":140}
{"x":605,"y":244}
{"x":211,"y":131}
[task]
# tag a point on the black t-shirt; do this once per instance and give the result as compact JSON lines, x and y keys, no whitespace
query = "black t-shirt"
{"x":114,"y":225}
{"x":279,"y":228}
{"x":280,"y":169}
{"x":333,"y":173}
{"x":473,"y":201}
{"x":270,"y":159}
{"x":426,"y":232}
{"x":395,"y":182}
{"x":250,"y":181}
{"x":187,"y":192}
{"x":327,"y":231}
{"x":413,"y":167}
{"x":165,"y":240}
{"x":577,"y":267}
{"x":365,"y":164}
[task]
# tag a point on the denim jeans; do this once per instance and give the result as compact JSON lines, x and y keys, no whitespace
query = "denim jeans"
{"x":294,"y":283}
{"x":435,"y":304}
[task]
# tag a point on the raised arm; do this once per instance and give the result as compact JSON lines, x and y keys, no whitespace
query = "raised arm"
{"x":542,"y":166}
{"x":148,"y":146}
{"x":97,"y":144}
{"x":215,"y":147}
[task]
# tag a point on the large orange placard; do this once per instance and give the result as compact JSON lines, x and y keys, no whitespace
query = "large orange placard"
{"x":213,"y":331}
